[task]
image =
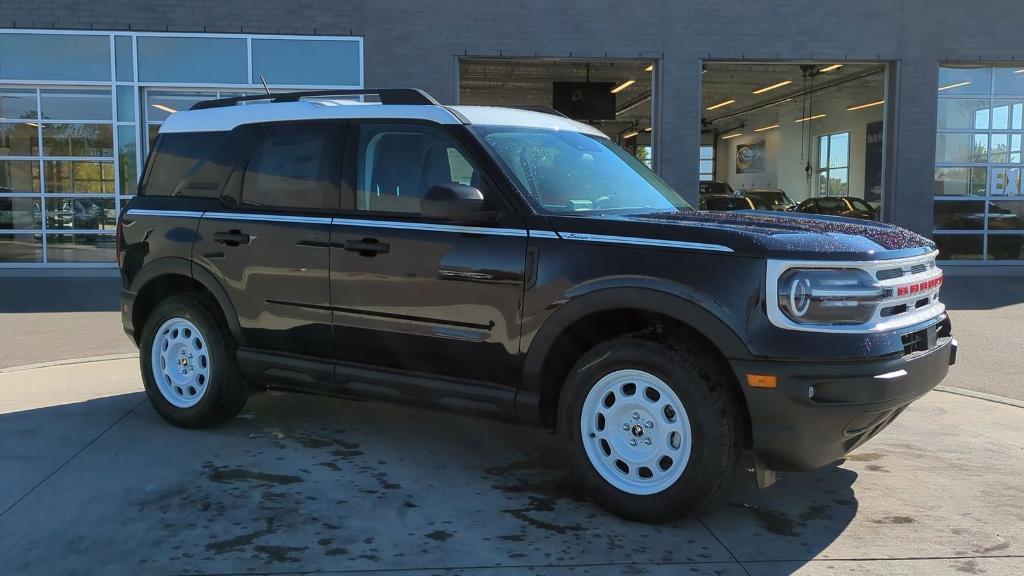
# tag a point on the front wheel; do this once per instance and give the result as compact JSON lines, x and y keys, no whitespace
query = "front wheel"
{"x":652,"y":432}
{"x":188,"y":365}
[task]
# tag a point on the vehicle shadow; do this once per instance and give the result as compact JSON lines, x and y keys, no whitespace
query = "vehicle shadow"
{"x":59,"y":294}
{"x":304,"y":483}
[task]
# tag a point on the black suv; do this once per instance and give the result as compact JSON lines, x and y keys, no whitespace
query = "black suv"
{"x":517,"y":264}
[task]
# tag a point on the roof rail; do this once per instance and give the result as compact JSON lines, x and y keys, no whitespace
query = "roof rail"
{"x":542,"y":110}
{"x":386,"y":95}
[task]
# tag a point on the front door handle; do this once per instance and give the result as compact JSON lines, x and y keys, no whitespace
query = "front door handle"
{"x":232,"y":238}
{"x":367,"y":247}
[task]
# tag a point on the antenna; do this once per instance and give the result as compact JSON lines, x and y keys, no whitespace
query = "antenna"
{"x":264,"y":80}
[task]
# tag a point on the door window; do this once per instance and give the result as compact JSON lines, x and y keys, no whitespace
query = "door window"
{"x":399,"y":163}
{"x":293,"y":167}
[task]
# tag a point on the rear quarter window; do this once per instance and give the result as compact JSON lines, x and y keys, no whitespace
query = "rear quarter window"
{"x":188,"y":164}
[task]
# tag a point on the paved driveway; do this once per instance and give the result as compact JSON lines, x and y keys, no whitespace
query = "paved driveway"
{"x":92,"y":481}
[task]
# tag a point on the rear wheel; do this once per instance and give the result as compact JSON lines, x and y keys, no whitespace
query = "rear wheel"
{"x":188,"y":364}
{"x":651,"y":432}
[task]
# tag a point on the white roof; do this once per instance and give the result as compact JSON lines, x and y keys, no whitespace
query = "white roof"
{"x":228,"y":117}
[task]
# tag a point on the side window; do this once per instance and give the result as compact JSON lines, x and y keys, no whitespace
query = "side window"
{"x":295,"y":167}
{"x":398,"y":163}
{"x":178,"y":156}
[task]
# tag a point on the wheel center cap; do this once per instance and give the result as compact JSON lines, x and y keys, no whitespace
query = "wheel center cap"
{"x":637,"y":430}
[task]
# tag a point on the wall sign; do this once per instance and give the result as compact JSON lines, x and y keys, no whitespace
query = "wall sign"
{"x":873,"y":162}
{"x":750,"y":158}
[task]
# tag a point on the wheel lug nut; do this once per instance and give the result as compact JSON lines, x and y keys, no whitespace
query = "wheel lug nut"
{"x":632,"y":442}
{"x":650,"y":424}
{"x":647,"y":441}
{"x":625,"y":427}
{"x":636,"y":415}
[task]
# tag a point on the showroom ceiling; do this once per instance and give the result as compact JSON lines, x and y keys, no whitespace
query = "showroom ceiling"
{"x":508,"y":82}
{"x":758,"y":92}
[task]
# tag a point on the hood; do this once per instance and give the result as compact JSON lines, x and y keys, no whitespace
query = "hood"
{"x":764,"y":234}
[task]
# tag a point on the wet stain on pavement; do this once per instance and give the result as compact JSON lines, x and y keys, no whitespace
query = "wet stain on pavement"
{"x":969,"y":567}
{"x":227,"y":475}
{"x":279,"y":554}
{"x":230,"y":544}
{"x":439,"y":535}
{"x":895,"y":520}
{"x":865,"y":456}
{"x":993,"y":548}
{"x":877,"y":468}
{"x":544,"y":480}
{"x":772,"y":521}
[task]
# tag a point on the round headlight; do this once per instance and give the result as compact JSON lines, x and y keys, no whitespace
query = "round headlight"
{"x":828,"y":296}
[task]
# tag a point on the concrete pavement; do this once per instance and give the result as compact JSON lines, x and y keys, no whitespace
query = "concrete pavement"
{"x":93,"y":481}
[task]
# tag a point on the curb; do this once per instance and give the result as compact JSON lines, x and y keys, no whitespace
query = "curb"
{"x":69,"y":361}
{"x":980,"y":396}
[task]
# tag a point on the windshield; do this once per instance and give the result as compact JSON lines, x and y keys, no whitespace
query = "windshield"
{"x":859,"y":204}
{"x":774,"y":198}
{"x":564,"y":172}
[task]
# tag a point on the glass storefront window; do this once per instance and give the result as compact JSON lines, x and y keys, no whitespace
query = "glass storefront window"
{"x":78,"y":140}
{"x":19,"y":176}
{"x":76,"y":104}
{"x":984,"y":131}
{"x":79,"y":177}
{"x":19,"y":139}
{"x":55,"y":57}
{"x":80,"y":108}
{"x":197,"y":60}
{"x":21,"y":248}
{"x":18,"y":104}
{"x":322,"y":62}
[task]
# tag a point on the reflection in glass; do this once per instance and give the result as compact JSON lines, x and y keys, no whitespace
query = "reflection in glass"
{"x":51,"y":57}
{"x":194,"y":60}
{"x":959,"y":147}
{"x":19,"y":139}
{"x":124,"y":68}
{"x":18,"y":105}
{"x":959,"y":246}
{"x":21,"y":248}
{"x":80,"y":247}
{"x":1005,"y":247}
{"x":160,"y":105}
{"x":960,"y":181}
{"x":125,"y":104}
{"x":1008,"y":82}
{"x":78,"y":140}
{"x":306,"y":61}
{"x":80,"y":213}
{"x":1000,"y":145}
{"x":79,"y":176}
{"x":1005,"y":182}
{"x":960,"y":215}
{"x":20,"y":213}
{"x":76,"y":104}
{"x":963,"y":113}
{"x":127,"y":175}
{"x":19,"y":176}
{"x":839,"y":150}
{"x":1006,"y":215}
{"x":957,"y":80}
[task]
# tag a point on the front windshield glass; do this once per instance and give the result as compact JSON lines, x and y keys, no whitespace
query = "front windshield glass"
{"x":564,"y":172}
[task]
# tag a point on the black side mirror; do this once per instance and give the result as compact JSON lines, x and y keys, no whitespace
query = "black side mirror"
{"x":455,"y":203}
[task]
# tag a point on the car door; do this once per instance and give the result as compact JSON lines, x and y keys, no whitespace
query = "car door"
{"x":436,"y":298}
{"x":268,"y":244}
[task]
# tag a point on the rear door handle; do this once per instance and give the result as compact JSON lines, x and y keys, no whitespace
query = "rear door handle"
{"x":232,"y":238}
{"x":367,"y":247}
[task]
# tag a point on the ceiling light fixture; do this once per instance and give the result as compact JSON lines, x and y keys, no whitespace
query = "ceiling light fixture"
{"x":630,"y":134}
{"x":648,"y":129}
{"x":806,"y":118}
{"x":766,"y":128}
{"x":650,"y":68}
{"x":867,"y":105}
{"x":720,"y":105}
{"x":733,"y":135}
{"x":623,"y":86}
{"x":32,"y":124}
{"x":957,"y":85}
{"x":167,"y":109}
{"x":773,"y":87}
{"x":830,"y":68}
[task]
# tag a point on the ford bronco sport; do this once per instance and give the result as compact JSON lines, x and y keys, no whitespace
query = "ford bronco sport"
{"x":518,"y":264}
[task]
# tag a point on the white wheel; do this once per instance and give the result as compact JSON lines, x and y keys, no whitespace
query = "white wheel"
{"x":636,"y":432}
{"x":180,"y":361}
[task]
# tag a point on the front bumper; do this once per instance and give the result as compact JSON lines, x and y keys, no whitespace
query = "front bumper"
{"x":793,"y":428}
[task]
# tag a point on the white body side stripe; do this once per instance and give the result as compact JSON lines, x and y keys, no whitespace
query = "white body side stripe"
{"x":431,"y":227}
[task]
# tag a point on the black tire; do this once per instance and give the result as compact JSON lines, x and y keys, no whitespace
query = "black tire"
{"x":706,"y":396}
{"x":226,"y":392}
